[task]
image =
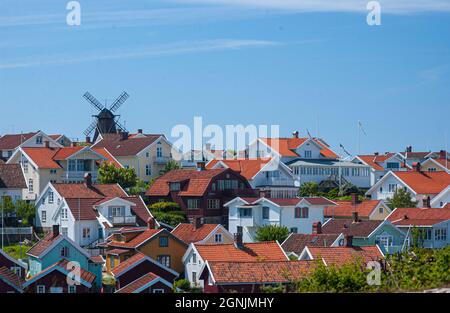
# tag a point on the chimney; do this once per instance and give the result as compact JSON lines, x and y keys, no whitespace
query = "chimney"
{"x":88,"y":180}
{"x":263,"y":193}
{"x":124,"y":135}
{"x":74,"y":143}
{"x":426,"y":202}
{"x":47,"y":144}
{"x":140,"y":131}
{"x":55,"y":231}
{"x":409,"y":149}
{"x":443,"y":154}
{"x":376,"y":153}
{"x":88,"y":139}
{"x":355,"y":218}
{"x":238,"y":241}
{"x":417,"y":167}
{"x":295,"y":134}
{"x":201,"y":166}
{"x":355,"y":199}
{"x":317,"y":228}
{"x":197,"y":223}
{"x":348,"y":240}
{"x":151,"y":223}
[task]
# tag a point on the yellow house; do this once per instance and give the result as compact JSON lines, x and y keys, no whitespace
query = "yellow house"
{"x":148,"y":154}
{"x":158,"y":244}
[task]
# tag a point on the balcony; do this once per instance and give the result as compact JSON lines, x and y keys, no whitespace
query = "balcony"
{"x":161,"y":159}
{"x":123,"y":220}
{"x":78,"y":175}
{"x":275,"y":181}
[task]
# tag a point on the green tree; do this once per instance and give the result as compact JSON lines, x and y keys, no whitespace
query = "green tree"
{"x":309,"y":189}
{"x":110,"y":174}
{"x":401,"y":199}
{"x":272,"y":233}
{"x":26,"y":212}
{"x":168,"y":212}
{"x":140,"y":188}
{"x":171,"y":165}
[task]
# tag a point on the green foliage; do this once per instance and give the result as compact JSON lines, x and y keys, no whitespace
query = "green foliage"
{"x":140,"y":188}
{"x":171,"y":218}
{"x":110,"y":174}
{"x":401,"y":199}
{"x":272,"y":233}
{"x":171,"y":165}
{"x":310,"y":189}
{"x":182,"y":285}
{"x":21,"y":209}
{"x":164,"y":206}
{"x":273,"y":289}
{"x":14,"y":251}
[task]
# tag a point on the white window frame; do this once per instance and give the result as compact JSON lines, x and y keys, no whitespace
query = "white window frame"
{"x":71,"y":289}
{"x":40,"y":289}
{"x":158,"y":290}
{"x":44,"y":216}
{"x":220,"y":236}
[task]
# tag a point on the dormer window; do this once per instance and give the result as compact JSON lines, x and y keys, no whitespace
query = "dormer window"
{"x":308,"y":154}
{"x":39,"y":140}
{"x":175,"y":186}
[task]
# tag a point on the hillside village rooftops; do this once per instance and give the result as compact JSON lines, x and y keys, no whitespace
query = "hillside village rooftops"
{"x":362,"y":228}
{"x":297,"y":242}
{"x":246,"y":167}
{"x":425,"y":182}
{"x":190,"y":233}
{"x":11,"y":177}
{"x":12,"y":141}
{"x":259,"y":272}
{"x":405,"y":217}
{"x":374,"y":160}
{"x":339,"y":256}
{"x":346,"y":208}
{"x":250,"y":252}
{"x":121,"y":145}
{"x":95,"y":191}
{"x":286,"y":146}
{"x":11,"y":278}
{"x":139,"y":283}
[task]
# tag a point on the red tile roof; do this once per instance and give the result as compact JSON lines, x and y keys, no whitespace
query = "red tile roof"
{"x":444,"y":163}
{"x":346,"y":208}
{"x":286,"y":146}
{"x":43,"y":244}
{"x":127,"y":263}
{"x":138,"y":283}
{"x":198,"y":181}
{"x":128,"y":147}
{"x":260,"y":272}
{"x":84,"y":275}
{"x":339,"y":256}
{"x":135,"y":242}
{"x":97,"y":191}
{"x":246,"y":167}
{"x":11,"y":177}
{"x":11,"y":142}
{"x":10,"y":277}
{"x":419,"y":216}
{"x":362,"y":228}
{"x":117,"y":251}
{"x":188,"y":234}
{"x":297,"y":242}
{"x":425,"y":182}
{"x":261,"y":251}
{"x":97,"y":259}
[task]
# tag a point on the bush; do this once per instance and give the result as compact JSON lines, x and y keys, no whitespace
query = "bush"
{"x":164,"y":207}
{"x":170,"y":218}
{"x":183,"y":285}
{"x":272,"y":233}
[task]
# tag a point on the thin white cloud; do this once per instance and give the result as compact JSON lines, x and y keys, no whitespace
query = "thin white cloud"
{"x":182,"y":47}
{"x":387,"y":6}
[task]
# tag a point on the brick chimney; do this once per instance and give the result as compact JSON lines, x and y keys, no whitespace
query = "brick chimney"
{"x":140,"y":131}
{"x":348,"y":240}
{"x":317,"y":228}
{"x":355,"y":199}
{"x":426,"y":202}
{"x":88,"y":139}
{"x":443,"y":154}
{"x":355,"y":218}
{"x":151,"y":223}
{"x":263,"y":193}
{"x":295,"y":134}
{"x":376,"y":153}
{"x":124,"y":135}
{"x":201,"y":166}
{"x":197,"y":223}
{"x":88,"y":180}
{"x":238,"y":241}
{"x":55,"y":231}
{"x":417,"y":167}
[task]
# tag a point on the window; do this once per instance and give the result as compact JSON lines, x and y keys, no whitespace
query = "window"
{"x":164,"y":260}
{"x":50,"y":197}
{"x":65,"y":231}
{"x":393,"y":165}
{"x":194,"y":277}
{"x":64,"y":214}
{"x":159,"y":153}
{"x":265,"y":212}
{"x":148,"y":170}
{"x":72,"y":289}
{"x":17,"y":270}
{"x":53,"y":171}
{"x":115,"y":211}
{"x":158,"y":291}
{"x":245,"y":212}
{"x":380,"y":210}
{"x":39,"y":140}
{"x":308,"y":154}
{"x":381,"y":189}
{"x":10,"y":153}
{"x":30,"y":185}
{"x":193,"y":204}
{"x":64,"y":252}
{"x":218,"y":238}
{"x":385,"y":240}
{"x":302,"y":212}
{"x":392,"y":187}
{"x":86,"y":232}
{"x":147,"y":154}
{"x":194,"y":258}
{"x":175,"y":186}
{"x":294,"y":230}
{"x":440,"y":234}
{"x":40,"y":289}
{"x":163,"y":241}
{"x":44,"y":216}
{"x":432,"y":169}
{"x":72,"y":166}
{"x":213,"y":204}
{"x":25,"y":166}
{"x":425,"y":234}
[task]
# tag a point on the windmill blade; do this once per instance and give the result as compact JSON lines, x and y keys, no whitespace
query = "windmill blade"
{"x":91,"y":127}
{"x":92,"y":100}
{"x":123,"y":128}
{"x":119,"y":101}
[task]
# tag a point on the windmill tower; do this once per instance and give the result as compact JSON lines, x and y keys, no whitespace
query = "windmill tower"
{"x":105,"y":122}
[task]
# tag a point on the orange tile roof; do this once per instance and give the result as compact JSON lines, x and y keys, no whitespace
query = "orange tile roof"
{"x":138,"y":283}
{"x":38,"y":248}
{"x":425,"y":182}
{"x":286,"y":146}
{"x":262,"y":251}
{"x":419,"y":216}
{"x":297,"y":242}
{"x":339,"y":256}
{"x":346,"y":208}
{"x":188,"y":234}
{"x":145,"y":235}
{"x":246,"y":167}
{"x":84,"y":275}
{"x":260,"y":272}
{"x":444,"y":163}
{"x":372,"y":160}
{"x":118,"y":146}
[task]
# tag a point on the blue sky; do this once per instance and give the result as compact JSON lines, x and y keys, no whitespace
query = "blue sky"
{"x":296,"y":63}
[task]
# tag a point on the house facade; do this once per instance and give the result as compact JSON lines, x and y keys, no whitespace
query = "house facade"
{"x":381,"y":164}
{"x":366,"y":209}
{"x":201,"y":193}
{"x":270,"y":175}
{"x":12,"y":182}
{"x":246,"y":215}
